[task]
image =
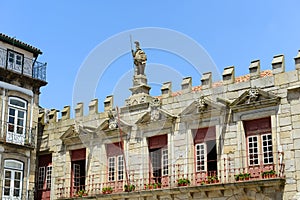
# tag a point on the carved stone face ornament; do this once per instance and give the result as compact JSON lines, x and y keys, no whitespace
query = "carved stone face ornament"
{"x":252,"y":96}
{"x":155,"y":115}
{"x":201,"y":104}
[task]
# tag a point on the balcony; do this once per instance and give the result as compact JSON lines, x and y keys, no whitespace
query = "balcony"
{"x":261,"y":176}
{"x":23,"y":136}
{"x":25,"y":66}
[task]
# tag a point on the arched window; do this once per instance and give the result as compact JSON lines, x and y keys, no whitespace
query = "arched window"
{"x":13,"y":178}
{"x":16,"y":121}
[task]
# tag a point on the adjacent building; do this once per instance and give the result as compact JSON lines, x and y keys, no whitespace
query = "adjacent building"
{"x":21,"y":77}
{"x":238,"y":138}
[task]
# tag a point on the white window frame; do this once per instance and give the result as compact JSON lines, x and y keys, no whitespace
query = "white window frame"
{"x":41,"y":178}
{"x":120,"y":167}
{"x":14,"y":167}
{"x":48,"y":176}
{"x":115,"y":168}
{"x":267,"y":154}
{"x":111,"y":168}
{"x":15,"y":130}
{"x":263,"y":153}
{"x":165,"y":162}
{"x":201,"y":157}
{"x":15,"y":61}
{"x":253,"y":150}
{"x":76,"y":176}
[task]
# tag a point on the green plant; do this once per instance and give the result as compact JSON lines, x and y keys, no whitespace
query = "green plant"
{"x":158,"y":185}
{"x":242,"y":176}
{"x":247,"y":176}
{"x":267,"y":174}
{"x":183,"y":182}
{"x":129,"y":188}
{"x":107,"y":190}
{"x":81,"y":193}
{"x":212,"y":179}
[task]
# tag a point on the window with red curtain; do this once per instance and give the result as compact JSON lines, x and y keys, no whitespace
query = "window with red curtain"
{"x":205,"y":149}
{"x":158,"y":151}
{"x":259,"y":141}
{"x":115,"y":161}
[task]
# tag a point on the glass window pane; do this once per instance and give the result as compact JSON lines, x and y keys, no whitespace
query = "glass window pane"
{"x":6,"y":191}
{"x":13,"y":164}
{"x":16,"y":192}
{"x":11,"y":120}
{"x":17,"y":103}
{"x":20,"y":122}
{"x":18,"y":175}
{"x":7,"y":174}
{"x":12,"y":112}
{"x":7,"y":183}
{"x":17,"y":184}
{"x":21,"y":114}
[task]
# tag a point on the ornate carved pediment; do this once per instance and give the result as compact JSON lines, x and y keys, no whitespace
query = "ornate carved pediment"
{"x":155,"y":113}
{"x":70,"y":136}
{"x":254,"y":98}
{"x":203,"y":106}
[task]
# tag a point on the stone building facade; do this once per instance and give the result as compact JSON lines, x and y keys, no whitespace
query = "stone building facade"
{"x":238,"y":138}
{"x":21,"y":77}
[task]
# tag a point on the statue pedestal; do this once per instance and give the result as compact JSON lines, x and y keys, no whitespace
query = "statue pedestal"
{"x":139,"y":80}
{"x":139,"y":91}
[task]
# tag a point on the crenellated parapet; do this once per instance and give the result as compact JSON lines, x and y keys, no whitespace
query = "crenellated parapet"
{"x":141,"y":100}
{"x":217,"y":121}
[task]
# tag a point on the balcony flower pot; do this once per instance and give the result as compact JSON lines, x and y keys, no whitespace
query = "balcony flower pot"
{"x":81,"y":193}
{"x":107,"y":190}
{"x":158,"y":185}
{"x":129,"y":188}
{"x":268,"y":174}
{"x":183,"y":182}
{"x":247,"y":176}
{"x":212,"y":179}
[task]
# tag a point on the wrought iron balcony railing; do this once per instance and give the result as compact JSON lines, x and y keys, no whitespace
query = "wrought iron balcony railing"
{"x":25,"y":66}
{"x":227,"y":175}
{"x":20,"y":135}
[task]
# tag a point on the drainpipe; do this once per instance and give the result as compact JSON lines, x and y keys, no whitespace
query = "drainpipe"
{"x":3,"y":111}
{"x":31,"y":119}
{"x":29,"y":139}
{"x":28,"y":174}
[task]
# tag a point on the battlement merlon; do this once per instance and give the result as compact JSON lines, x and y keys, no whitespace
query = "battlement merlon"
{"x":229,"y":79}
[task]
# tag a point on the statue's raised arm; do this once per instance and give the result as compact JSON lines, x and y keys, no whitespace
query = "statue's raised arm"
{"x":139,"y":58}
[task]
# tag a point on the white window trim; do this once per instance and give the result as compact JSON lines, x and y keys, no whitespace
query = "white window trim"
{"x":48,"y":176}
{"x":120,"y":169}
{"x":13,"y":135}
{"x":205,"y":157}
{"x":165,"y":169}
{"x":13,"y":170}
{"x":262,"y":149}
{"x":257,"y":147}
{"x":41,"y":178}
{"x":112,"y":165}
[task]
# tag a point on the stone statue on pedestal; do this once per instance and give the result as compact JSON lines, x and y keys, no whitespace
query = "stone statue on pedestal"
{"x":139,"y":58}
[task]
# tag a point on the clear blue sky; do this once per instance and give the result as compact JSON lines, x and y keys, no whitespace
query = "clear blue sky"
{"x":232,"y":33}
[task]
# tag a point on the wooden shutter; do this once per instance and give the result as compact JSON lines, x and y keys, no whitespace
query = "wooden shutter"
{"x":78,"y":154}
{"x":204,"y":134}
{"x":114,"y":149}
{"x":258,"y":126}
{"x":159,"y":141}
